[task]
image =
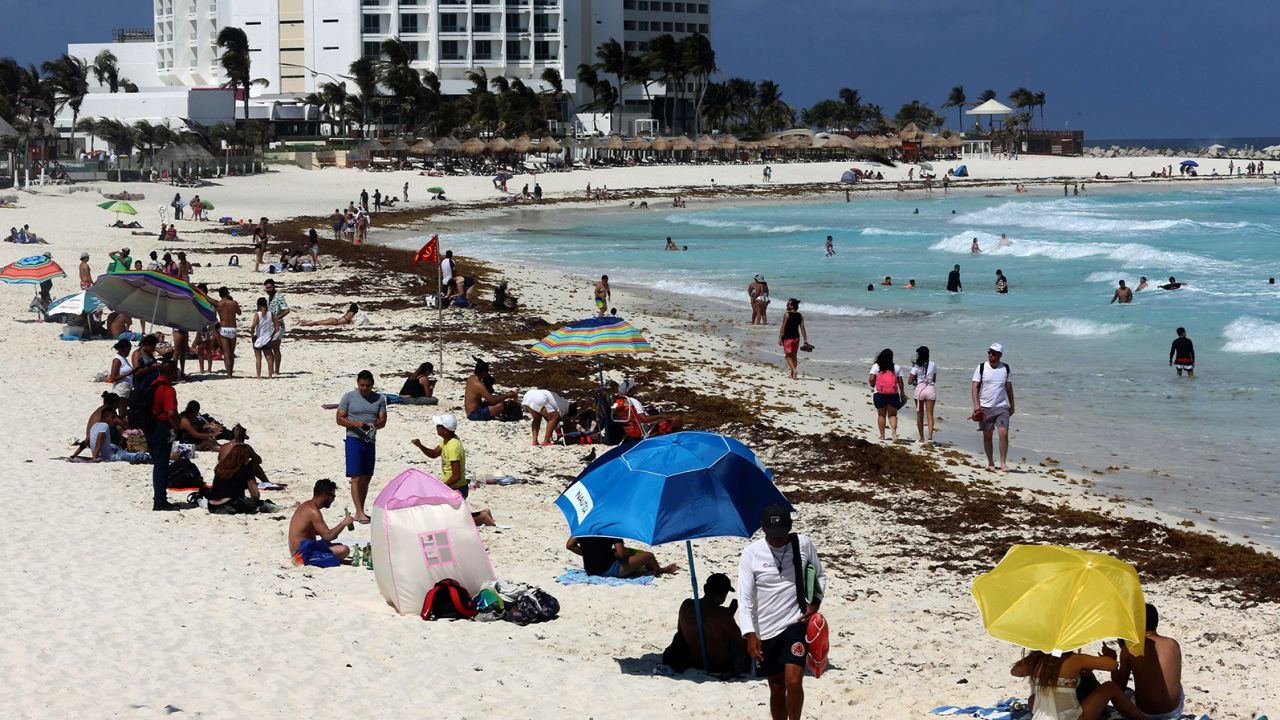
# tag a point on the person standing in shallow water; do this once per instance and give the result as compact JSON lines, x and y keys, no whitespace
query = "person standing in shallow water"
{"x":1182,"y":355}
{"x":790,"y":334}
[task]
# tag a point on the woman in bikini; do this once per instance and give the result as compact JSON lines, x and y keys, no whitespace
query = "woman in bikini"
{"x":347,"y":318}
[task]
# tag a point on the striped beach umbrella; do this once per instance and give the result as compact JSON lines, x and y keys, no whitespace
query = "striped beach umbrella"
{"x":31,"y":270}
{"x":593,"y":336}
{"x":155,"y":297}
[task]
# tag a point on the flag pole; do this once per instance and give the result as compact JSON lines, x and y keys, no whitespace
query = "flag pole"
{"x":439,"y":312}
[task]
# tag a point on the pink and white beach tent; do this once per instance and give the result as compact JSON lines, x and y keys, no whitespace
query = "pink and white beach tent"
{"x":422,"y":533}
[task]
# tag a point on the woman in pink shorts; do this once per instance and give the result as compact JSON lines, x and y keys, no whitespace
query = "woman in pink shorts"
{"x":924,"y":375}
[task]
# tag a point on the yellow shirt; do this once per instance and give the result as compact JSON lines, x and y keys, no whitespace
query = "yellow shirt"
{"x":450,"y":451}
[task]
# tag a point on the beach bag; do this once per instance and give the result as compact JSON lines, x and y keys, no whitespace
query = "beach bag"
{"x":817,"y":634}
{"x":887,"y":382}
{"x":448,"y":600}
{"x":184,"y":475}
{"x":138,"y":408}
{"x":532,"y":605}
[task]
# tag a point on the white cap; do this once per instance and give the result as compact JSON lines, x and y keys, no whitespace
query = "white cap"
{"x":626,"y":386}
{"x":997,"y":347}
{"x":448,"y":422}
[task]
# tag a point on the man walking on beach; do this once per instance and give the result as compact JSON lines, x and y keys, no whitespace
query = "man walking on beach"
{"x":279,"y":308}
{"x":953,"y":280}
{"x":1157,"y":672}
{"x":162,"y":425}
{"x":362,"y":412}
{"x":993,"y":403}
{"x":772,"y":616}
{"x":364,"y":200}
{"x":406,"y":191}
{"x":603,"y":296}
{"x":86,"y":273}
{"x":377,"y":200}
{"x":228,"y":312}
{"x":1182,"y":355}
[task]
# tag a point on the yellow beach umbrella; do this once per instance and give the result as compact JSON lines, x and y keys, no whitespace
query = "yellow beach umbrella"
{"x":1056,"y":599}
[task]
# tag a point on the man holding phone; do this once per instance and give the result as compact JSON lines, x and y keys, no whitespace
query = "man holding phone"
{"x":772,"y":617}
{"x":362,"y":412}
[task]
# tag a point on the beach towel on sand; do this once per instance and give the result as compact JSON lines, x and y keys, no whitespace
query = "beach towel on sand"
{"x":578,"y":576}
{"x":315,"y":553}
{"x":1009,"y":709}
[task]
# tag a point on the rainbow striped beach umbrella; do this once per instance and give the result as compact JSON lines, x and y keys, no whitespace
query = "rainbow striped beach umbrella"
{"x":593,"y":336}
{"x":158,"y":298}
{"x":31,"y":270}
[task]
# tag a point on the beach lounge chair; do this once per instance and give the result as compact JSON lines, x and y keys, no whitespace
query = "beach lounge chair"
{"x":624,"y":413}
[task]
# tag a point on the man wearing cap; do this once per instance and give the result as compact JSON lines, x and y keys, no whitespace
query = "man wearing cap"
{"x":120,"y":261}
{"x":86,"y":274}
{"x":279,"y":309}
{"x":453,"y":461}
{"x":724,"y":639}
{"x":363,"y":413}
{"x":772,"y":616}
{"x":993,"y":403}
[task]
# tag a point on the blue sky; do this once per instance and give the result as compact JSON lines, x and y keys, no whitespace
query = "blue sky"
{"x":1115,"y":68}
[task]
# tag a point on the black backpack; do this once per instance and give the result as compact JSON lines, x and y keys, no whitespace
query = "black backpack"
{"x":448,"y":600}
{"x":184,"y":475}
{"x":139,"y":408}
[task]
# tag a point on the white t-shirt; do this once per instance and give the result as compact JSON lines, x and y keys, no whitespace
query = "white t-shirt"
{"x":446,"y":270}
{"x":991,"y":392}
{"x":545,"y":401}
{"x":99,"y":433}
{"x":767,"y":586}
{"x":875,"y":370}
{"x":925,"y":376}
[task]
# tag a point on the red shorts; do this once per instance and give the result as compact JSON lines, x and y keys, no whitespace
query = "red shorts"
{"x":791,"y":346}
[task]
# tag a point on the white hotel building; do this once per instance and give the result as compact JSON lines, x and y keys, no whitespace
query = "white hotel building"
{"x":298,"y":45}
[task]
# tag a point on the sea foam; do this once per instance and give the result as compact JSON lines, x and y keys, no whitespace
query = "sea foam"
{"x":1073,"y":218}
{"x":1252,"y":335}
{"x":1077,"y":327}
{"x":1133,"y":255}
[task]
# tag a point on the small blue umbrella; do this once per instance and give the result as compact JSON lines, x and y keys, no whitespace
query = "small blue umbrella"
{"x":671,"y":488}
{"x":1191,"y":163}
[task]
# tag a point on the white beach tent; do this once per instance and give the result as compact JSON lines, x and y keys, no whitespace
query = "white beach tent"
{"x":990,"y":107}
{"x":422,"y":533}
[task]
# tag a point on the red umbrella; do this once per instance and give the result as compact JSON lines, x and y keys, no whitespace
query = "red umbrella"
{"x":31,"y":270}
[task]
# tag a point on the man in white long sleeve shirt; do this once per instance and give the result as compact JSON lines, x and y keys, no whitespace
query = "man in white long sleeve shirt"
{"x":772,"y":615}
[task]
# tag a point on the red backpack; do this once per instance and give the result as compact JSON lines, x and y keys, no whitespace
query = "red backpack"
{"x":448,"y":600}
{"x":887,"y":382}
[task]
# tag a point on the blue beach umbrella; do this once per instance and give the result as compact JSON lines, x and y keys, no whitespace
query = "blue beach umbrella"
{"x":672,"y":488}
{"x":1190,"y":163}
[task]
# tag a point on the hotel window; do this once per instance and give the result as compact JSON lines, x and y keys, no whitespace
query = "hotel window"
{"x":679,"y":27}
{"x":644,"y":4}
{"x":702,"y":9}
{"x":449,"y":50}
{"x":628,"y":4}
{"x":483,"y":50}
{"x":679,"y":7}
{"x":643,"y":25}
{"x":449,"y":22}
{"x":409,"y":24}
{"x":668,"y":26}
{"x":668,"y":7}
{"x":629,"y":46}
{"x":704,"y":28}
{"x":514,"y":52}
{"x":483,"y":23}
{"x":542,"y":50}
{"x":628,"y":24}
{"x":372,"y":50}
{"x":371,"y":25}
{"x":542,"y":23}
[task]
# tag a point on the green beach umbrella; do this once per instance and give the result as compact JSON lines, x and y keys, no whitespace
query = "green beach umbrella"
{"x":435,"y":189}
{"x":117,"y":207}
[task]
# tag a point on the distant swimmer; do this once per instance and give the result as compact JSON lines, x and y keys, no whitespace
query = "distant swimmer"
{"x":911,"y":284}
{"x":916,"y":211}
{"x":1123,"y":295}
{"x":1004,"y":240}
{"x":1173,"y":284}
{"x":871,"y":288}
{"x":671,"y":244}
{"x":974,"y":249}
{"x":1002,"y":283}
{"x":1271,"y":281}
{"x":1142,"y":284}
{"x":831,"y":246}
{"x":887,"y":280}
{"x":953,"y":280}
{"x":1182,"y":354}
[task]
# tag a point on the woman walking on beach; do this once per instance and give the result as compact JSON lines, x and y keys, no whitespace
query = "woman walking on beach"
{"x":924,"y":375}
{"x":263,"y":330}
{"x":790,"y":334}
{"x":758,"y":292}
{"x":885,"y":378}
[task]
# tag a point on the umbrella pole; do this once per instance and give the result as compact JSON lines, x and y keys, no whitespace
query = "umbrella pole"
{"x":440,"y":314}
{"x":697,"y":607}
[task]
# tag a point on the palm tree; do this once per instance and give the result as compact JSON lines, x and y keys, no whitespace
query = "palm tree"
{"x":69,"y":78}
{"x":89,"y":126}
{"x":555,"y":94}
{"x":613,"y":61}
{"x":235,"y":61}
{"x":664,"y":59}
{"x":771,"y":112}
{"x":1023,"y":100}
{"x":364,"y":73}
{"x":699,"y":58}
{"x":106,"y":72}
{"x":986,"y":95}
{"x":1038,"y":99}
{"x":334,"y":97}
{"x":957,"y":100}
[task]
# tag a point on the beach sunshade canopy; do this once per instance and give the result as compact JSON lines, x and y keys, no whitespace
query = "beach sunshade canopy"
{"x":925,"y":165}
{"x":613,"y":142}
{"x":705,"y":144}
{"x":549,"y":145}
{"x":864,"y":142}
{"x":886,"y":142}
{"x":636,"y":143}
{"x":76,"y":304}
{"x":422,"y":147}
{"x":848,"y":177}
{"x":498,"y":144}
{"x":1190,"y":163}
{"x":370,"y":146}
{"x":660,"y":144}
{"x":990,"y":107}
{"x":682,"y":144}
{"x":155,"y":297}
{"x":910,"y":133}
{"x":118,"y":206}
{"x":671,"y":488}
{"x":448,"y":144}
{"x":398,"y":145}
{"x":727,"y":142}
{"x":31,"y":270}
{"x":593,"y":336}
{"x":474,"y":146}
{"x":1056,"y":599}
{"x":838,"y":141}
{"x":522,"y":144}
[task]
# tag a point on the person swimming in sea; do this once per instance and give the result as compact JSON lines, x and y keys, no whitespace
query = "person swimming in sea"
{"x":1142,"y":284}
{"x":831,"y":247}
{"x":974,"y":249}
{"x":887,"y":280}
{"x":1004,"y":240}
{"x":911,"y":284}
{"x":1173,"y":284}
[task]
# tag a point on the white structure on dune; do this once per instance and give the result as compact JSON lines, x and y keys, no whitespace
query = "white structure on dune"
{"x":299,"y":45}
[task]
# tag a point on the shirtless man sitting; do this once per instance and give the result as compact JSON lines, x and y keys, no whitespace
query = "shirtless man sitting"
{"x":1157,"y":673}
{"x":480,"y":401}
{"x":310,"y":540}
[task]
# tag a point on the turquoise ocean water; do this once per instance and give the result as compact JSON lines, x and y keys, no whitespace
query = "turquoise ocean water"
{"x":1093,"y":384}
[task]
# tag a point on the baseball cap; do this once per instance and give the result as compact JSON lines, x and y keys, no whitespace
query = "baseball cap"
{"x":996,"y":347}
{"x":717,"y":582}
{"x":775,"y":521}
{"x":84,"y":256}
{"x":448,"y":422}
{"x":625,"y":386}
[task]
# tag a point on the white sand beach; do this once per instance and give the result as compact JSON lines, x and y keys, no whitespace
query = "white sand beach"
{"x":115,"y":611}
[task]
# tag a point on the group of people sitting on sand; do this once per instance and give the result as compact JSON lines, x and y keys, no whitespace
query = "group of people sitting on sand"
{"x":25,"y":236}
